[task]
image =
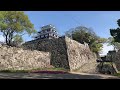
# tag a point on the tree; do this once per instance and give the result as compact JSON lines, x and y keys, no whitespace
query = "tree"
{"x":14,"y":23}
{"x":115,"y":33}
{"x":17,"y":40}
{"x":83,"y":34}
{"x":112,"y":42}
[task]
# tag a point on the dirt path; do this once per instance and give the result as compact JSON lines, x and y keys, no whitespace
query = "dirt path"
{"x":55,"y":76}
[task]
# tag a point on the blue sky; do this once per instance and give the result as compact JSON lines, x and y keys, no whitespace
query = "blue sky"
{"x":99,"y":21}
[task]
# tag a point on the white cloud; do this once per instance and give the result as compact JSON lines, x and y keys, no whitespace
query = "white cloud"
{"x":106,"y":49}
{"x":2,"y":38}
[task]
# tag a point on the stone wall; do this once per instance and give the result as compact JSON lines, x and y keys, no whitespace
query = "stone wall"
{"x":111,"y":56}
{"x":65,"y":53}
{"x":112,"y":62}
{"x":57,"y":48}
{"x":12,"y":58}
{"x":80,"y":57}
{"x":107,"y":68}
{"x":117,"y":59}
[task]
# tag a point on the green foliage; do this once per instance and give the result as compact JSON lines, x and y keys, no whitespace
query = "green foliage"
{"x":111,"y":41}
{"x":117,"y":74}
{"x":115,"y":33}
{"x":15,"y":71}
{"x":83,"y":34}
{"x":17,"y":39}
{"x":13,"y":23}
{"x":51,"y":69}
{"x":37,"y":69}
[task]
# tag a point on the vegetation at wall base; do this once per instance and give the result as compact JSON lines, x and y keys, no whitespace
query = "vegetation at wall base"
{"x":38,"y":70}
{"x":117,"y":74}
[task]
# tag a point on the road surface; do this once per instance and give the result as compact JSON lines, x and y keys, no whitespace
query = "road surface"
{"x":72,"y":75}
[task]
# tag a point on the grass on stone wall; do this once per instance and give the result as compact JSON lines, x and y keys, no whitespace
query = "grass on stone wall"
{"x":15,"y":71}
{"x":117,"y":74}
{"x":52,"y":69}
{"x":32,"y":70}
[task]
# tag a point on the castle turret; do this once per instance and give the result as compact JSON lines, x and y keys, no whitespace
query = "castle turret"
{"x":48,"y":31}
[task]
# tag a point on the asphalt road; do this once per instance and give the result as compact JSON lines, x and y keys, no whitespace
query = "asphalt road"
{"x":72,"y":75}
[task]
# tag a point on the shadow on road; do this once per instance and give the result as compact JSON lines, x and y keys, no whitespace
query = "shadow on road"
{"x":50,"y":76}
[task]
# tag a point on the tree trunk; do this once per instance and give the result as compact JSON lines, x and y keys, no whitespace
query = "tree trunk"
{"x":6,"y":39}
{"x":10,"y":38}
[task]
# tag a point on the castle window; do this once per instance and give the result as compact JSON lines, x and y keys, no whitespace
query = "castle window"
{"x":46,"y":35}
{"x":48,"y":30}
{"x":42,"y":36}
{"x":43,"y":31}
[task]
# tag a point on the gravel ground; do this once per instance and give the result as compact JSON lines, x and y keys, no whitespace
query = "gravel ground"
{"x":72,"y":75}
